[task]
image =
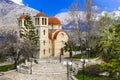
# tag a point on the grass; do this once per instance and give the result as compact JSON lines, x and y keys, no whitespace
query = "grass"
{"x":9,"y":67}
{"x":6,"y":67}
{"x":79,"y":76}
{"x":77,"y":56}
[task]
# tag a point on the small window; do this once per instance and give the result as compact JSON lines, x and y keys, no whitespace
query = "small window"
{"x":44,"y":32}
{"x":43,"y":42}
{"x":20,"y":22}
{"x":45,"y":21}
{"x":37,"y":31}
{"x":36,"y":21}
{"x":42,"y":21}
{"x":49,"y":50}
{"x":44,"y":51}
{"x":62,"y":34}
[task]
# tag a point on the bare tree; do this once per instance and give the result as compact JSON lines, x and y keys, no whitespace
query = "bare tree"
{"x":88,"y":21}
{"x":74,"y":12}
{"x":88,"y":17}
{"x":11,"y":47}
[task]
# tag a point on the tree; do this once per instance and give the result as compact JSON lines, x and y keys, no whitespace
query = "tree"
{"x":110,"y":41}
{"x":84,"y":38}
{"x":30,"y":35}
{"x":89,"y":24}
{"x":105,"y":35}
{"x":69,"y":47}
{"x":28,"y":49}
{"x":112,"y":51}
{"x":11,"y":46}
{"x":74,"y":12}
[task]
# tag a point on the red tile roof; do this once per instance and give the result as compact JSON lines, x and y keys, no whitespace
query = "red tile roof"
{"x":49,"y":36}
{"x":56,"y":33}
{"x":22,"y":16}
{"x":54,"y":21}
{"x":40,"y":14}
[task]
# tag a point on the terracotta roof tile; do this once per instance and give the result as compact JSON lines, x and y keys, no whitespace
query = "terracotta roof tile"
{"x":49,"y":36}
{"x":54,"y":21}
{"x":56,"y":33}
{"x":22,"y":16}
{"x":40,"y":14}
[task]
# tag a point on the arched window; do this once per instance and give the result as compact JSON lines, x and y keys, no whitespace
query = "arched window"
{"x":42,"y":21}
{"x":36,"y":21}
{"x":62,"y":34}
{"x":37,"y":31}
{"x":43,"y":42}
{"x":49,"y":50}
{"x":44,"y":51}
{"x":44,"y":32}
{"x":45,"y":21}
{"x":20,"y":22}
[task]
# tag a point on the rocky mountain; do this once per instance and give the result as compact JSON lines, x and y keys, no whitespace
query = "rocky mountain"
{"x":68,"y":22}
{"x":10,"y":11}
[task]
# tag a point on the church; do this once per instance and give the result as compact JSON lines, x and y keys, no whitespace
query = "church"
{"x":51,"y":35}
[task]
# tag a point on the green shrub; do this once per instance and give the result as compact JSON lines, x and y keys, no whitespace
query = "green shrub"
{"x":92,"y":70}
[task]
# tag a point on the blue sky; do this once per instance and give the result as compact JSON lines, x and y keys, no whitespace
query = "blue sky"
{"x":52,"y":7}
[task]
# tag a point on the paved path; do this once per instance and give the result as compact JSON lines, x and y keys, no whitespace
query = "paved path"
{"x":19,"y":76}
{"x":45,"y":70}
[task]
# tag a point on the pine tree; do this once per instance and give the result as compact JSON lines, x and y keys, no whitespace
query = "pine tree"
{"x":29,"y":33}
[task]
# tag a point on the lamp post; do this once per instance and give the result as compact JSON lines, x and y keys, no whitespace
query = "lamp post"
{"x":60,"y":57}
{"x":83,"y":67}
{"x":66,"y":63}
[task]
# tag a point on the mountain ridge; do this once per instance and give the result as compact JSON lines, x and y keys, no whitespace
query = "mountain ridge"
{"x":10,"y":11}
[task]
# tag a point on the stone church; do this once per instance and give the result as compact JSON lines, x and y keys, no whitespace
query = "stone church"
{"x":51,"y":35}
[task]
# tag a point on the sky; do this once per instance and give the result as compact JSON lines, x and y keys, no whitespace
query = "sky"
{"x":53,"y":7}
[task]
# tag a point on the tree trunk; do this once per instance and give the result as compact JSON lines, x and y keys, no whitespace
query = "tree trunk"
{"x":71,"y":56}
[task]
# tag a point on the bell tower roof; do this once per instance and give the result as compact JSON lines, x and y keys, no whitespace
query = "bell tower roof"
{"x":40,"y":14}
{"x":22,"y":16}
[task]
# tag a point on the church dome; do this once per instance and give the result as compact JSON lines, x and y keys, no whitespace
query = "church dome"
{"x":40,"y":14}
{"x":54,"y":21}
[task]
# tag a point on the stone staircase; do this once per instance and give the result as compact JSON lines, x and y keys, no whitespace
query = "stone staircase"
{"x":48,"y":66}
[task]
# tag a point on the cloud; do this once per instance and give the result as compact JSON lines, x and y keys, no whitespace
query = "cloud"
{"x":64,"y":10}
{"x":95,"y":7}
{"x":119,"y":8}
{"x":20,"y":2}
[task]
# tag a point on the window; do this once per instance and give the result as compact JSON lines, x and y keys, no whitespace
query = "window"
{"x":36,"y":21}
{"x":52,"y":26}
{"x":62,"y":34}
{"x":42,"y":21}
{"x":44,"y":32}
{"x":20,"y":22}
{"x":44,"y":51}
{"x":49,"y":50}
{"x":45,"y":21}
{"x":43,"y":42}
{"x":37,"y":31}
